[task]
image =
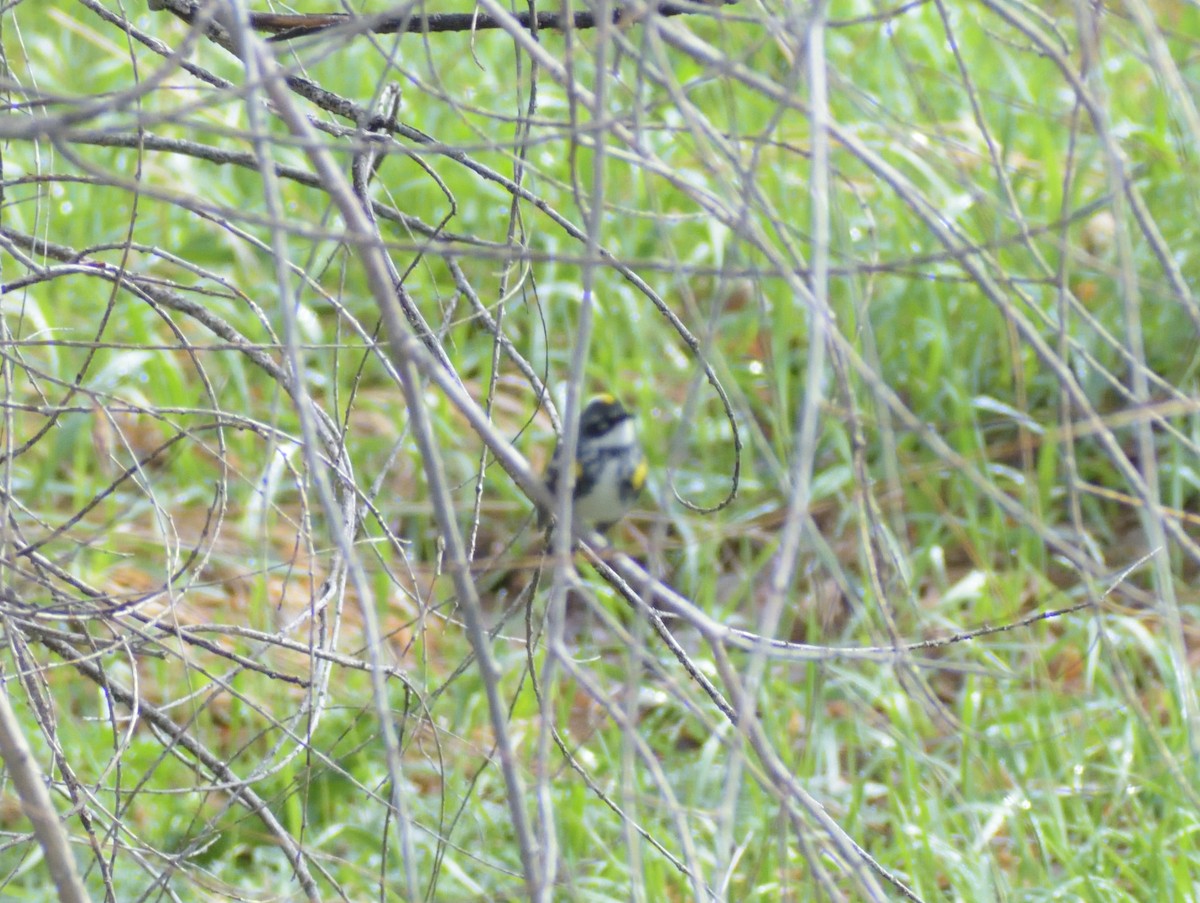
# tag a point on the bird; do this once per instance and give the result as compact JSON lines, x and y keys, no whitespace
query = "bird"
{"x":610,"y":468}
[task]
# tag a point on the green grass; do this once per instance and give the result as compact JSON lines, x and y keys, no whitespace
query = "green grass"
{"x":1048,"y":761}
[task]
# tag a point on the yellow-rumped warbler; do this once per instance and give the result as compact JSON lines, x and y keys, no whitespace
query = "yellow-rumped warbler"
{"x":610,"y":469}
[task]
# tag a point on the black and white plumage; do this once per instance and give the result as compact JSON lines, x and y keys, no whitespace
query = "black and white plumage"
{"x":610,"y":469}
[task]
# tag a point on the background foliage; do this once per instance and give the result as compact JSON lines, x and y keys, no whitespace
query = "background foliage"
{"x":916,"y":280}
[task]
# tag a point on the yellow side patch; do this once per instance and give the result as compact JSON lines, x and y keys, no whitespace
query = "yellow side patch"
{"x":639,"y":475}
